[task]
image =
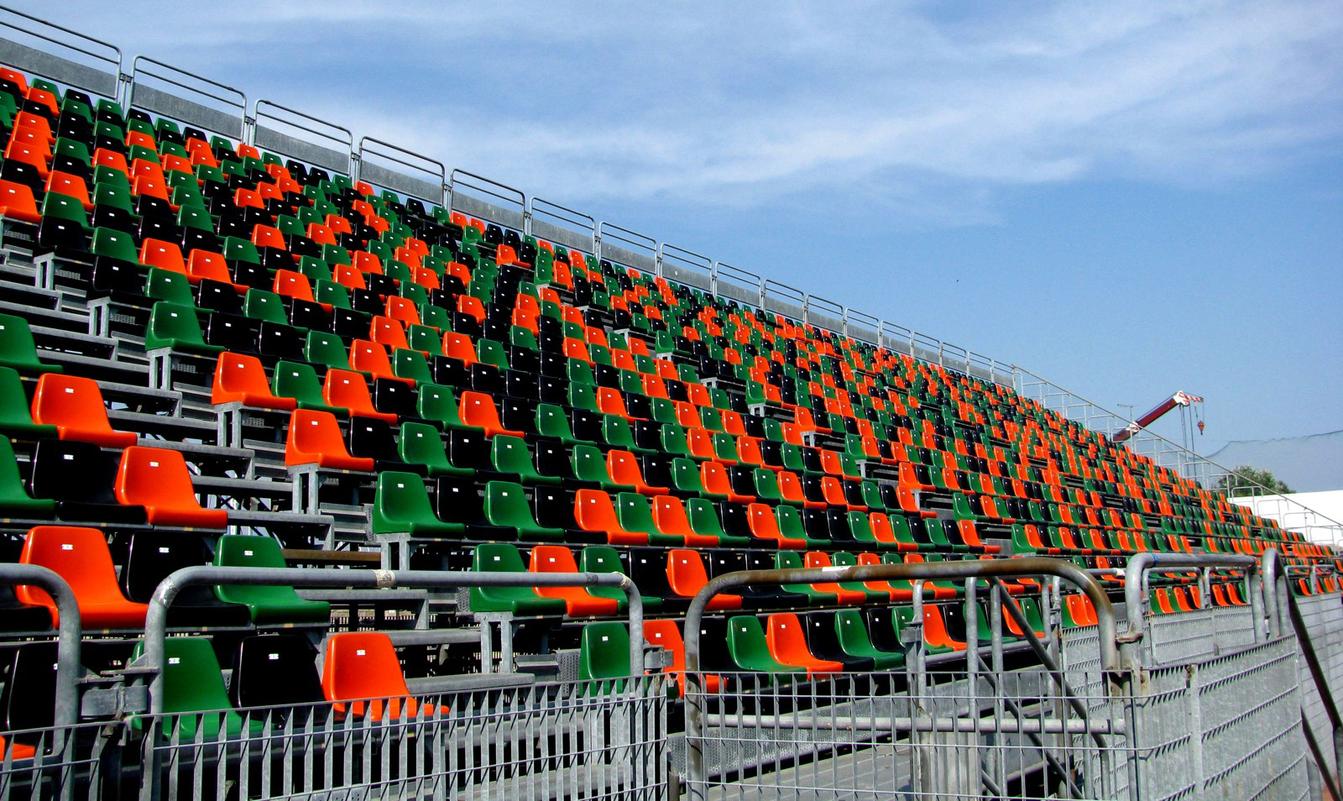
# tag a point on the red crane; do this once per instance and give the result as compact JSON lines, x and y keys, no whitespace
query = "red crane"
{"x":1156,"y":413}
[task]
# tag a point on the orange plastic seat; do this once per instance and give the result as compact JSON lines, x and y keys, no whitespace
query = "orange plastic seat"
{"x":63,"y":183}
{"x":788,"y":645}
{"x":81,"y":557}
{"x":17,"y":203}
{"x":935,"y":629}
{"x":610,"y":401}
{"x":670,"y":517}
{"x":163,"y":256}
{"x":346,"y":389}
{"x":686,"y":576}
{"x":203,"y":265}
{"x":578,"y":601}
{"x":716,"y":482}
{"x":362,"y":676}
{"x":595,"y":512}
{"x":74,"y":405}
{"x":291,"y":284}
{"x":241,"y":378}
{"x":21,"y":751}
{"x":478,"y":410}
{"x":371,"y":357}
{"x":667,"y":634}
{"x":158,"y":480}
{"x":314,"y":438}
{"x":765,"y":526}
{"x":387,"y":331}
{"x":623,"y":467}
{"x":459,"y":347}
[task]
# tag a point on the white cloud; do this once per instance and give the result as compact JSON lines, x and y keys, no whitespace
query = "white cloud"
{"x":734,"y":103}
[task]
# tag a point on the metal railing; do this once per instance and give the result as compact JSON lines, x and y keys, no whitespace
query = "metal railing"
{"x":1112,"y":727}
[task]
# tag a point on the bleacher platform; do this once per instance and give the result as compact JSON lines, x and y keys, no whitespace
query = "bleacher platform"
{"x":211,"y":354}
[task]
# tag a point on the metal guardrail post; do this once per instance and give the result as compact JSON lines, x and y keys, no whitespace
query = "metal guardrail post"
{"x":918,"y":572}
{"x":65,"y":712}
{"x":69,"y":631}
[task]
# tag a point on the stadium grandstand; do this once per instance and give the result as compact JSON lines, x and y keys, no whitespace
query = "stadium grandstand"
{"x":328,"y":472}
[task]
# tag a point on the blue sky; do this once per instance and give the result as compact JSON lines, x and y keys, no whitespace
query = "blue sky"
{"x":1127,"y":198}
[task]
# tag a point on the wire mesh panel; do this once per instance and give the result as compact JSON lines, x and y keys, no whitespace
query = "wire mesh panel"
{"x":943,"y":735}
{"x":1323,"y":615}
{"x":1197,"y":634}
{"x":556,"y":740}
{"x":56,"y":763}
{"x":1223,"y":727}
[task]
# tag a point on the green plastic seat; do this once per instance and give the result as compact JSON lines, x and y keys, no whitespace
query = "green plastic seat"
{"x":115,"y":195}
{"x":15,"y":416}
{"x":635,"y":513}
{"x":18,"y":350}
{"x":506,"y":506}
{"x":260,"y":304}
{"x":791,"y":526}
{"x":169,"y":286}
{"x":401,"y":506}
{"x":425,"y":339}
{"x":510,"y":455}
{"x":331,"y":293}
{"x":551,"y":421}
{"x":788,"y":560}
{"x":240,"y":250}
{"x":411,"y":364}
{"x":14,"y":498}
{"x":704,"y":521}
{"x":267,"y":603}
{"x":298,"y":381}
{"x":686,"y":476}
{"x":109,"y":243}
{"x":422,"y":445}
{"x":672,"y":438}
{"x":604,"y":652}
{"x":582,"y":396}
{"x":590,"y":466}
{"x":174,"y":326}
{"x":438,"y":404}
{"x":851,"y":629}
{"x":194,"y":683}
{"x":748,"y":648}
{"x":494,"y":557}
{"x":605,"y":559}
{"x":325,"y":349}
{"x":616,"y":433}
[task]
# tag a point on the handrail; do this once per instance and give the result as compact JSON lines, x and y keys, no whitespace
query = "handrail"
{"x":1135,"y":584}
{"x":69,"y":631}
{"x":1317,"y":676}
{"x":156,"y":622}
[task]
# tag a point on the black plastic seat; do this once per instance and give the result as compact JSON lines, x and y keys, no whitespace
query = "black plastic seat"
{"x":91,"y":497}
{"x":29,"y":675}
{"x":153,"y":556}
{"x":823,"y":641}
{"x":275,"y":670}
